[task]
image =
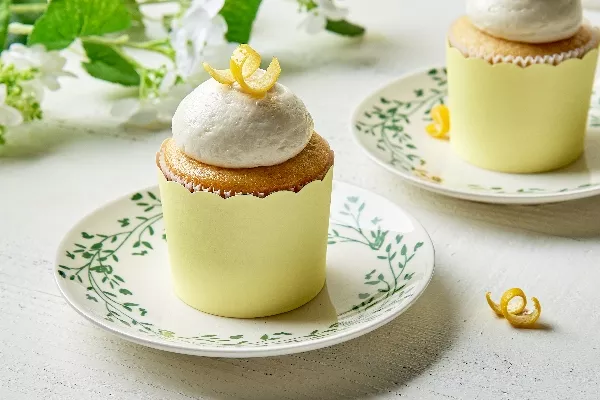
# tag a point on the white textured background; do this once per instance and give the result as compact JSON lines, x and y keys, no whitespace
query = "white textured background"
{"x":448,"y":346}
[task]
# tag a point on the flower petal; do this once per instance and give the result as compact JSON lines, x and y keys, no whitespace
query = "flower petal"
{"x":218,"y":29}
{"x":213,"y":6}
{"x":10,"y":116}
{"x":50,"y":81}
{"x":314,"y":23}
{"x":36,"y":87}
{"x":2,"y":93}
{"x":331,"y":11}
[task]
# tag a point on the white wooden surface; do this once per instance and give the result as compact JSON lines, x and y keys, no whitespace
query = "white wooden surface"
{"x":448,"y":346}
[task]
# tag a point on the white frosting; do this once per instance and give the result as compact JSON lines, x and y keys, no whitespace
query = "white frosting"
{"x":222,"y":126}
{"x":529,"y":21}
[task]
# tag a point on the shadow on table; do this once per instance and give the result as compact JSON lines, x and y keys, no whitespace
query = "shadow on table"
{"x":382,"y":361}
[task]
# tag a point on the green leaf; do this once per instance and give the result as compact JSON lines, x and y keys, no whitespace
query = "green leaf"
{"x":96,"y":246}
{"x":152,"y":196}
{"x":236,"y":337}
{"x":62,"y":274}
{"x":91,"y":298}
{"x":353,"y":199}
{"x":239,"y":15}
{"x":419,"y":244}
{"x":148,"y":245}
{"x":117,"y":277}
{"x":372,"y":283}
{"x":4,"y":20}
{"x":265,"y":337}
{"x":86,"y":235}
{"x":136,"y":197}
{"x":363,"y":296}
{"x":124,"y":291}
{"x":382,"y":257}
{"x":344,"y":28}
{"x":403,"y":251}
{"x":380,"y":277}
{"x":399,"y":238}
{"x":66,"y":20}
{"x":388,"y":247}
{"x":107,"y":64}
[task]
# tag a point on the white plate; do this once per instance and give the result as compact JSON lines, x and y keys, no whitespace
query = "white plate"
{"x":390,"y":126}
{"x":112,"y":268}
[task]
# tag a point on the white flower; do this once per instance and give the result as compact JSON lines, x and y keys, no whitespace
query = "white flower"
{"x":200,"y":25}
{"x":9,"y":116}
{"x":316,"y":20}
{"x":50,"y":64}
{"x":158,"y":108}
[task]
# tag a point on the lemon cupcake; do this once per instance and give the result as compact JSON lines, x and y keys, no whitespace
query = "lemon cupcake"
{"x":520,"y":76}
{"x":246,"y":187}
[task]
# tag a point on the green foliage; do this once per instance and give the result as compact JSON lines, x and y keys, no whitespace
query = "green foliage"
{"x":108,"y":64}
{"x":66,"y":20}
{"x":240,"y":16}
{"x":344,"y":28}
{"x":4,"y":20}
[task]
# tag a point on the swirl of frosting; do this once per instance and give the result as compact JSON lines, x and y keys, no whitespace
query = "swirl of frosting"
{"x":529,"y":21}
{"x":220,"y":125}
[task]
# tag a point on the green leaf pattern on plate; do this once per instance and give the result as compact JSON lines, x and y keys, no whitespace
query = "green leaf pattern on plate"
{"x":387,"y":119}
{"x":95,"y":260}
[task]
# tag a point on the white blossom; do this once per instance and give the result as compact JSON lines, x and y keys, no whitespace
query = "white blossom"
{"x":317,"y":17}
{"x":49,"y":64}
{"x":157,"y":108}
{"x":201,"y":25}
{"x":9,"y":116}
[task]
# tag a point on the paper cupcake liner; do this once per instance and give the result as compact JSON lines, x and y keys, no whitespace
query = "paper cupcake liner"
{"x":551,"y":59}
{"x":518,"y":120}
{"x":246,"y":257}
{"x":210,"y":189}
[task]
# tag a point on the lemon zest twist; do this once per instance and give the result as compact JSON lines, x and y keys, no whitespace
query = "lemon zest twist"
{"x":516,"y":315}
{"x":440,"y":126}
{"x":244,"y":62}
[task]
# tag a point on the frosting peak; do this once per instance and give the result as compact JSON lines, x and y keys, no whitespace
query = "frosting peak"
{"x":529,"y":21}
{"x":222,"y":126}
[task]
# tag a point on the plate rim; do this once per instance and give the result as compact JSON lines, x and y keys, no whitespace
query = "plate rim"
{"x":250,"y":352}
{"x":494,"y":198}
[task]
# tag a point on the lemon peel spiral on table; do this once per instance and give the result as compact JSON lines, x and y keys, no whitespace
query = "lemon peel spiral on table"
{"x":516,"y":315}
{"x":440,"y":126}
{"x":244,"y":62}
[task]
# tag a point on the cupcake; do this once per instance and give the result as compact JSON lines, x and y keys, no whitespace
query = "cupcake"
{"x":520,"y":76}
{"x":246,"y":188}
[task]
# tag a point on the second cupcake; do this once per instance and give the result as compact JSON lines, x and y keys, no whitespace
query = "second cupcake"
{"x":520,"y":77}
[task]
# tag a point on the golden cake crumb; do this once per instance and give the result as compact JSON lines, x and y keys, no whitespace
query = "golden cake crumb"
{"x":311,"y":164}
{"x":469,"y":40}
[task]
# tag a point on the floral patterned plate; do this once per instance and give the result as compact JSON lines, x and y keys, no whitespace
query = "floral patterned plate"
{"x":390,"y":126}
{"x":112,"y":268}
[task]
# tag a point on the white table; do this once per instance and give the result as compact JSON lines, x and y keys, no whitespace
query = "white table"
{"x":448,"y":346}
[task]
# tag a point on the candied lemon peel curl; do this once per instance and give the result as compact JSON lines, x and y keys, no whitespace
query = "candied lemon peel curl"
{"x":516,"y":315}
{"x":244,"y":62}
{"x":440,"y":126}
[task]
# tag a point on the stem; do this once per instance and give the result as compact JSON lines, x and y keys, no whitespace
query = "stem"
{"x":142,"y":3}
{"x":106,"y":41}
{"x":28,"y":8}
{"x":17,"y":28}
